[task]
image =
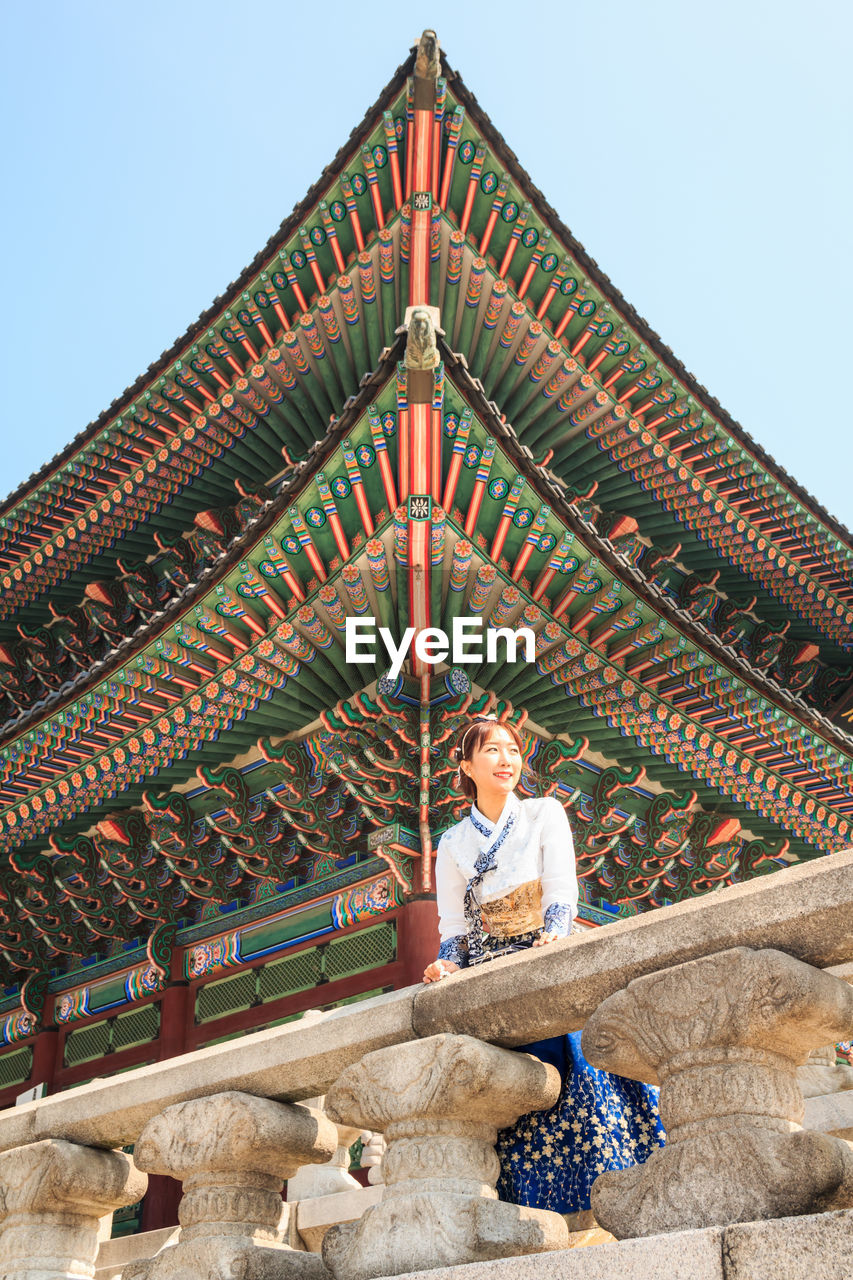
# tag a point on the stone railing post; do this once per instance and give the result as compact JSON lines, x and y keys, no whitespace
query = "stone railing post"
{"x":232,"y":1152}
{"x":723,"y":1036}
{"x":372,"y":1155}
{"x":821,"y":1074}
{"x":315,"y":1180}
{"x":440,"y":1102}
{"x":53,"y":1196}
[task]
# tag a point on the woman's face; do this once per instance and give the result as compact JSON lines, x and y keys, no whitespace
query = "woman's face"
{"x":495,"y":767}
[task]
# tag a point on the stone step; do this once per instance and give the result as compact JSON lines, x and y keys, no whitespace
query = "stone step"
{"x":115,"y":1254}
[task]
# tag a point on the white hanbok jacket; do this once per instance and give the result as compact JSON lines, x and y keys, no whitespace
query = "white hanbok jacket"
{"x":538,"y":845}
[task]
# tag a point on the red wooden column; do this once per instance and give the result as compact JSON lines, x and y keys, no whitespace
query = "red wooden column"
{"x":45,"y":1054}
{"x":174,"y":1012}
{"x":160,"y":1207}
{"x":418,"y":937}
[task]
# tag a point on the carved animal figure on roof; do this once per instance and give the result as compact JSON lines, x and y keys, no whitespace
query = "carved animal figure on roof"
{"x":426,"y":64}
{"x":421,"y":351}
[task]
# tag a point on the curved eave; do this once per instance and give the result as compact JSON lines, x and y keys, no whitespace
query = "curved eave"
{"x":567,"y":766}
{"x":644,"y":330}
{"x":231,"y":555}
{"x":25,"y":762}
{"x":791,"y":589}
{"x":555,"y":492}
{"x":269,"y":437}
{"x":556,"y":495}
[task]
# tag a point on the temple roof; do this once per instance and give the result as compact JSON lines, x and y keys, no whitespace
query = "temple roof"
{"x":246,"y":664}
{"x":180,"y":724}
{"x":809,"y":546}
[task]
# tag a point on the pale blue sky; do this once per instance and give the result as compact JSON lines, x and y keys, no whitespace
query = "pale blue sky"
{"x":701,"y":153}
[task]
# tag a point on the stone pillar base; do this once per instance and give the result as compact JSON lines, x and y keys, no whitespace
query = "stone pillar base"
{"x":420,"y":1231}
{"x":53,"y":1196}
{"x":772,"y":1175}
{"x":232,"y":1152}
{"x":212,"y":1259}
{"x":723,"y":1036}
{"x":440,"y":1103}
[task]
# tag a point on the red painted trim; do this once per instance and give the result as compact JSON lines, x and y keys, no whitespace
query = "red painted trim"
{"x":487,"y":234}
{"x":453,"y":473}
{"x":435,"y":462}
{"x":474,"y":507}
{"x":387,"y":480}
{"x":403,"y":453}
{"x":376,"y":199}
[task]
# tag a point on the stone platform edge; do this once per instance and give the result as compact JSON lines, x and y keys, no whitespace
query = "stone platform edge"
{"x":817,"y":1247}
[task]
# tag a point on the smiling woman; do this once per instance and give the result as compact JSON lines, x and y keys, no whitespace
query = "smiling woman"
{"x":525,"y":897}
{"x":529,"y":895}
{"x":505,"y":881}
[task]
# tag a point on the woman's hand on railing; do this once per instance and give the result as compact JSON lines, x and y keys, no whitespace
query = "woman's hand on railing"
{"x":439,"y":969}
{"x":544,"y":938}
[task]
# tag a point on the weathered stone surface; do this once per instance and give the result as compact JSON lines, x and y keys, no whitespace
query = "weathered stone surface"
{"x":809,"y":1248}
{"x":687,"y":1255}
{"x":223,"y":1258}
{"x":830,"y":1114}
{"x":428,"y":1230}
{"x":52,"y":1197}
{"x":440,"y":1103}
{"x":812,"y":1248}
{"x":820,"y":1075}
{"x":806,"y":911}
{"x":734,"y":999}
{"x":450,"y":1076}
{"x":372,"y":1155}
{"x":327,"y":1179}
{"x":315,"y":1217}
{"x":232,"y":1152}
{"x":312,"y":1180}
{"x":233,"y":1132}
{"x":723,"y":1036}
{"x":116,"y":1254}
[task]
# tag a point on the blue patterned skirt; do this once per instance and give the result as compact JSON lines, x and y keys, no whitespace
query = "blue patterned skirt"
{"x":550,"y":1159}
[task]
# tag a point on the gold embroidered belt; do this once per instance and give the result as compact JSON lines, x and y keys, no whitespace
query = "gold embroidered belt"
{"x":517,"y":912}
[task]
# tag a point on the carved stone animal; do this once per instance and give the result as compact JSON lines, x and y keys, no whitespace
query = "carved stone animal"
{"x":421,"y":351}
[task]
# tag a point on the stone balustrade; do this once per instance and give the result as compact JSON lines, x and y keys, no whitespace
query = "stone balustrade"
{"x":314,"y":1180}
{"x":723,"y":1037}
{"x":233,"y":1152}
{"x":721,"y":1000}
{"x":53,"y":1195}
{"x":440,"y":1103}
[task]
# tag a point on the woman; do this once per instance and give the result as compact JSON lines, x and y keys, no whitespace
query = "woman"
{"x":505,"y":880}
